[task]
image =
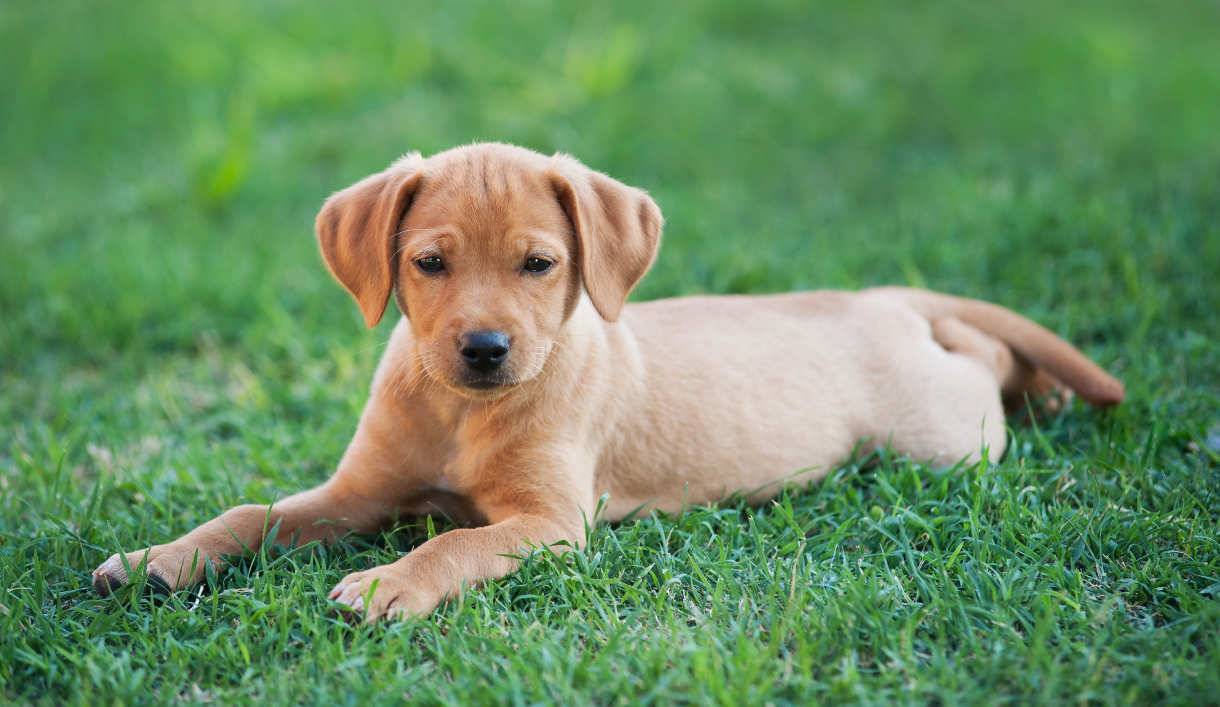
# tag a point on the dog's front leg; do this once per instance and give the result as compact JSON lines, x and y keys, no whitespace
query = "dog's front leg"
{"x":459,"y":559}
{"x":374,"y":476}
{"x":318,"y":514}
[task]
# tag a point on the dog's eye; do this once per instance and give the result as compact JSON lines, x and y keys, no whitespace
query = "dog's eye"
{"x":537,"y":265}
{"x":430,"y":264}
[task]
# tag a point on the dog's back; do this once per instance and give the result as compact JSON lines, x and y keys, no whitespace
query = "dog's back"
{"x":767,"y":389}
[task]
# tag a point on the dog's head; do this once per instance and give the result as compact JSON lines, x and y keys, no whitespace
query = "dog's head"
{"x":486,"y":248}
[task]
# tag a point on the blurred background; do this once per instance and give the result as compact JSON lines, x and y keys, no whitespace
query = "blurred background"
{"x":171,"y":343}
{"x":161,"y":165}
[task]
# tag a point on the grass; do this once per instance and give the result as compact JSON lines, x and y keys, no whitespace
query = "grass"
{"x":170,"y":344}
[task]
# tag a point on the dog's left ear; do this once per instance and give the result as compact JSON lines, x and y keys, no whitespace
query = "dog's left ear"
{"x":356,"y":231}
{"x":618,"y":231}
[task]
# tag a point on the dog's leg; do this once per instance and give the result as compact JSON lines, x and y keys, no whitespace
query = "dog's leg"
{"x":361,"y":497}
{"x":465,"y":558}
{"x":445,"y":565}
{"x":1018,"y":380}
{"x":322,"y":513}
{"x":955,"y":335}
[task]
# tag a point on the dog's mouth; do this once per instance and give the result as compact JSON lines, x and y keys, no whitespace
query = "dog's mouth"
{"x":485,"y":387}
{"x":469,"y":382}
{"x":488,"y":384}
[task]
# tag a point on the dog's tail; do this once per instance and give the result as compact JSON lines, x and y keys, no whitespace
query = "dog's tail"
{"x":1038,"y":346}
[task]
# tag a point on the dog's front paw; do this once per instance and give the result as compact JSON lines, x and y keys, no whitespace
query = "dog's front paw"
{"x":168,"y":570}
{"x":383,"y":592}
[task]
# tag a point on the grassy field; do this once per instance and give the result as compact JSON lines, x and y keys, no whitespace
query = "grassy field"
{"x":171,"y":345}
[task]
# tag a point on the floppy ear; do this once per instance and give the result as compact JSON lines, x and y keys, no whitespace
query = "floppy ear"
{"x":618,"y":230}
{"x":357,"y":233}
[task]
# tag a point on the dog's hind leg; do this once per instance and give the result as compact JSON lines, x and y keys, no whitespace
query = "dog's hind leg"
{"x":1019,"y":381}
{"x":959,"y":337}
{"x":1027,"y":341}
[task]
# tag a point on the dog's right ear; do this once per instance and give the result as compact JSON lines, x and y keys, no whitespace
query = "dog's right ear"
{"x":357,"y":231}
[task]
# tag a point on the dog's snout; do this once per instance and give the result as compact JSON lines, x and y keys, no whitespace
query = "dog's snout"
{"x":483,"y":351}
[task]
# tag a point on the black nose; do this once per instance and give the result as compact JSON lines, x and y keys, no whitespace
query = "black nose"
{"x":483,"y":351}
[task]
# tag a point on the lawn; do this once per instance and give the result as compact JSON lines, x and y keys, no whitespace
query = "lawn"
{"x":171,"y":344}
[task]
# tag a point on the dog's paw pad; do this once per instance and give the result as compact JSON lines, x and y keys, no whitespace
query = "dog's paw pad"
{"x":105,"y":584}
{"x":347,"y":613}
{"x":155,"y":585}
{"x":112,"y":575}
{"x":109,"y":576}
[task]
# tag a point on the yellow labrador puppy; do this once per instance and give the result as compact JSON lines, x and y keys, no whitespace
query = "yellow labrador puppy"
{"x":518,"y":389}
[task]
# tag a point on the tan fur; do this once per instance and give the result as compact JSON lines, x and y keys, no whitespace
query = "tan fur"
{"x":656,"y":405}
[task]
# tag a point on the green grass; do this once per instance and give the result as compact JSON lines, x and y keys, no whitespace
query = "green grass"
{"x":171,"y":345}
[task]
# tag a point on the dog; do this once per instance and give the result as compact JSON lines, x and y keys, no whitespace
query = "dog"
{"x":519,"y":388}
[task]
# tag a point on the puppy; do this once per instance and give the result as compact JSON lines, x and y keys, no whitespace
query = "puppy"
{"x":518,"y":388}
